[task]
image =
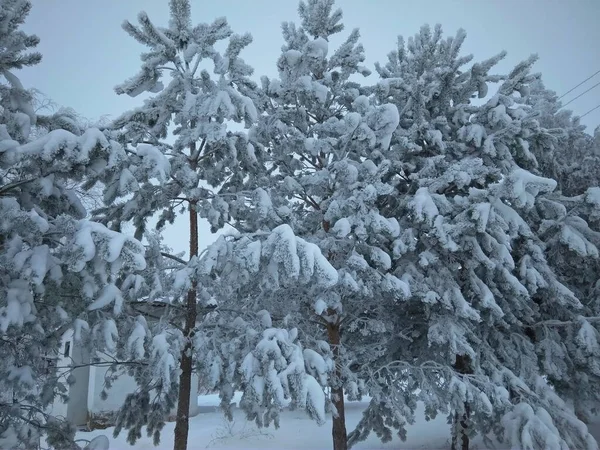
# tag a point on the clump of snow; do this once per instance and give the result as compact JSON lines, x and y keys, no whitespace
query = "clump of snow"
{"x":380,"y":258}
{"x":154,"y":161}
{"x":320,"y":306}
{"x":342,"y":228}
{"x":135,"y":343}
{"x":592,"y":196}
{"x":424,"y":206}
{"x":110,"y":294}
{"x":473,"y":134}
{"x":523,"y":187}
{"x":98,"y":443}
{"x":110,"y":334}
{"x":317,"y":48}
{"x":164,"y":360}
{"x":388,"y":120}
{"x":79,"y":325}
{"x":265,"y":318}
{"x":315,"y":399}
{"x":19,"y":305}
{"x":22,"y":375}
{"x":293,"y":57}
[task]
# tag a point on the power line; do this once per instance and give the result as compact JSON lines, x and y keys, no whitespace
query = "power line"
{"x":584,"y":92}
{"x":591,"y":110}
{"x":587,"y":79}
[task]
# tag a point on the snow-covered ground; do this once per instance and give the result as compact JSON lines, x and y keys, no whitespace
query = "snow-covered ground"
{"x":210,"y":430}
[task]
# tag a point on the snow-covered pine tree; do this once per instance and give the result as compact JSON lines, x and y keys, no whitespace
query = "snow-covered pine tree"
{"x":568,"y":221}
{"x":567,"y":152}
{"x":206,"y":164}
{"x":159,"y":177}
{"x":477,"y":270}
{"x":57,"y":269}
{"x":324,"y":176}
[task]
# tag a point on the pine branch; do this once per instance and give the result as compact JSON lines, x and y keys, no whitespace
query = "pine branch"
{"x":560,"y":323}
{"x":162,"y":144}
{"x":158,"y":318}
{"x":195,"y":156}
{"x":102,"y":364}
{"x":196,"y":63}
{"x":16,"y":184}
{"x":305,"y":159}
{"x":33,"y":422}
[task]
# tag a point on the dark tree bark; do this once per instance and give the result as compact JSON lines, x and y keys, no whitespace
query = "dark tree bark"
{"x":182,"y":424}
{"x":460,"y":435}
{"x":338,"y":431}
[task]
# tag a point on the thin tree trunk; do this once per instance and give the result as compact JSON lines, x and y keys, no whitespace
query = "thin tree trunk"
{"x":338,"y":427}
{"x":182,"y":424}
{"x":460,"y":434}
{"x":460,"y":438}
{"x":338,"y":430}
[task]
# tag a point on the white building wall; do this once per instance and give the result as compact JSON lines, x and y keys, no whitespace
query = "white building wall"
{"x":63,"y":363}
{"x":84,"y":394}
{"x":77,"y":409}
{"x":122,"y":386}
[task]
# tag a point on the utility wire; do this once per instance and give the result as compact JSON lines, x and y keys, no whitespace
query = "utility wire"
{"x":591,"y":110}
{"x":584,"y":92}
{"x":584,"y":81}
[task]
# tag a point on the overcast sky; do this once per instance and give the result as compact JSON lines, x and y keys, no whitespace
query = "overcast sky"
{"x":86,"y":52}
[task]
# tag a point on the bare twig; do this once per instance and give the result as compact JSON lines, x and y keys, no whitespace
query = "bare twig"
{"x":174,"y":258}
{"x":560,"y":323}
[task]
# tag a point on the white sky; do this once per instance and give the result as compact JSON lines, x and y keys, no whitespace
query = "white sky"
{"x":86,"y":53}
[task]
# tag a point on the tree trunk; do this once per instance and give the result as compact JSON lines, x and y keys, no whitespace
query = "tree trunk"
{"x":338,"y":431}
{"x":182,"y":424}
{"x":460,"y":436}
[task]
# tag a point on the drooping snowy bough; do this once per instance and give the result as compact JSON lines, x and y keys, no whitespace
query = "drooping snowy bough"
{"x":475,"y":339}
{"x":58,"y":270}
